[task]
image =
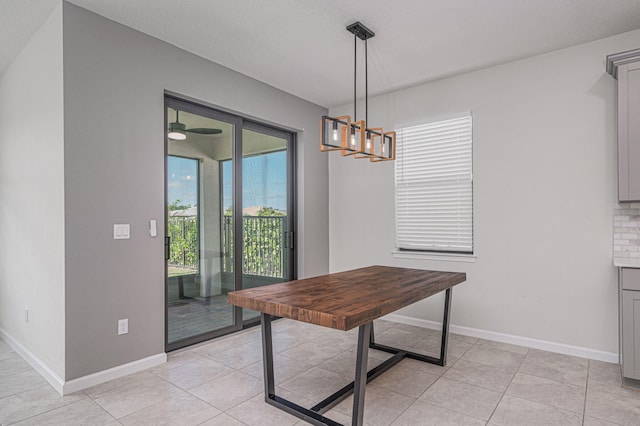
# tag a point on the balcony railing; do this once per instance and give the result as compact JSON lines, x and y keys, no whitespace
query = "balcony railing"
{"x":263,"y":245}
{"x":184,"y":242}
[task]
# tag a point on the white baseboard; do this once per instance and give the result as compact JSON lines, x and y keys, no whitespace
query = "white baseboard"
{"x":509,"y":338}
{"x":47,"y":373}
{"x":75,"y":385}
{"x":85,"y":382}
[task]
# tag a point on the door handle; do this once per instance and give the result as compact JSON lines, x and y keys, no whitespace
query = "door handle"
{"x":167,"y":248}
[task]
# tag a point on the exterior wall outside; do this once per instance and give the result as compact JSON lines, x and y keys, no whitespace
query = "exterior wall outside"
{"x":544,"y":135}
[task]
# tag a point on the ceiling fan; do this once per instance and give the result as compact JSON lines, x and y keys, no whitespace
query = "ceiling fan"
{"x":177,"y":130}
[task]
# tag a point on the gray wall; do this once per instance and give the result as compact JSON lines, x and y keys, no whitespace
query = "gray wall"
{"x":544,"y":134}
{"x":115,"y":80}
{"x":32,"y":198}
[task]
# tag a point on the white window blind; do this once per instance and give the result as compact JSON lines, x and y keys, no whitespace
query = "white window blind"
{"x":434,"y":191}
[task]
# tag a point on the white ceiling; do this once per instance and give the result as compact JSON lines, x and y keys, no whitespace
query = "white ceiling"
{"x":302,"y":47}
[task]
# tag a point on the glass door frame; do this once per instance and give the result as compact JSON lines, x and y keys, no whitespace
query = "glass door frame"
{"x":240,"y":123}
{"x":290,"y":239}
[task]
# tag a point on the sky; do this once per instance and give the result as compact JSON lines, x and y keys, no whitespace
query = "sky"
{"x":182,"y":180}
{"x":264,"y":181}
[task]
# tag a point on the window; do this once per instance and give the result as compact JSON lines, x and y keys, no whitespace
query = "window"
{"x":434,"y":191}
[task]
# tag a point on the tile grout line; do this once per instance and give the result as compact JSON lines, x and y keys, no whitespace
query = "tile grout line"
{"x":24,"y":390}
{"x":599,"y":390}
{"x":533,"y":374}
{"x":415,"y":399}
{"x":432,"y":384}
{"x":206,"y":402}
{"x":250,"y":346}
{"x":104,"y":409}
{"x":55,"y":408}
{"x":586,"y":389}
{"x":147,"y":406}
{"x":507,"y":388}
{"x":476,"y":362}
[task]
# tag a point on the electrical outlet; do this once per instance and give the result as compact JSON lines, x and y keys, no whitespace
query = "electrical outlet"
{"x":26,"y":315}
{"x":123,"y":326}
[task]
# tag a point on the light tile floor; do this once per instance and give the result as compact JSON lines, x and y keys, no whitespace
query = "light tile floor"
{"x":220,"y":383}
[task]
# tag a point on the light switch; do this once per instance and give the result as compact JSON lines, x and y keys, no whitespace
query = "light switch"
{"x":121,"y":231}
{"x":153,"y":228}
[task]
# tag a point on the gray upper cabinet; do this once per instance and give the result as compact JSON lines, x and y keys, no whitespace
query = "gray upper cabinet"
{"x":625,"y":67}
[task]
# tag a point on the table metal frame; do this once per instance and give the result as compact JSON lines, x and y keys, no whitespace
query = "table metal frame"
{"x":366,"y":340}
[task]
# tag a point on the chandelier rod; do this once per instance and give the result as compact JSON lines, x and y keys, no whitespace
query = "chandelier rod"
{"x":366,"y":84}
{"x":355,"y":75}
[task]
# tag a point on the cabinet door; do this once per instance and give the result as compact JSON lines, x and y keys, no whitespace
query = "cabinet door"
{"x":629,"y":132}
{"x":631,"y":334}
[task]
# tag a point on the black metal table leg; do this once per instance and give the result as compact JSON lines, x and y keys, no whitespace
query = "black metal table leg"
{"x":269,"y":382}
{"x":366,"y":340}
{"x":442,"y":361}
{"x":364,"y":334}
{"x":267,"y":356}
{"x":445,"y":327}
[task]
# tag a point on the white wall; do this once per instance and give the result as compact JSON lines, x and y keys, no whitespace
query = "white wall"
{"x":544,"y":135}
{"x":32,"y":197}
{"x":115,"y":79}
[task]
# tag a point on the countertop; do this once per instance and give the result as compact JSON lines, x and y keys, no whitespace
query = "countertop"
{"x":625,"y":262}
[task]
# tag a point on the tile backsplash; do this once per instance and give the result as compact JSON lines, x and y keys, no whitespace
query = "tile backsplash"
{"x":626,"y":231}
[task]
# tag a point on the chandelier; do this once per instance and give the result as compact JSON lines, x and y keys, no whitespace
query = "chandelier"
{"x":353,"y":137}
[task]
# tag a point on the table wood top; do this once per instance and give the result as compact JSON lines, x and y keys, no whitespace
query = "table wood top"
{"x":345,"y":300}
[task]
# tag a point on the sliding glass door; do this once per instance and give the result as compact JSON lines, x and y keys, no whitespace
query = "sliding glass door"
{"x":229,"y":185}
{"x":267,"y":231}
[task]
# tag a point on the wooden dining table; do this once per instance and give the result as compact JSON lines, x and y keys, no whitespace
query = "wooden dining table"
{"x":343,"y":301}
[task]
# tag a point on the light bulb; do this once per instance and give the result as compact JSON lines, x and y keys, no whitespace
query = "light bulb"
{"x":177,"y":136}
{"x":353,"y":139}
{"x":382,"y":143}
{"x":335,"y":131}
{"x":368,"y":140}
